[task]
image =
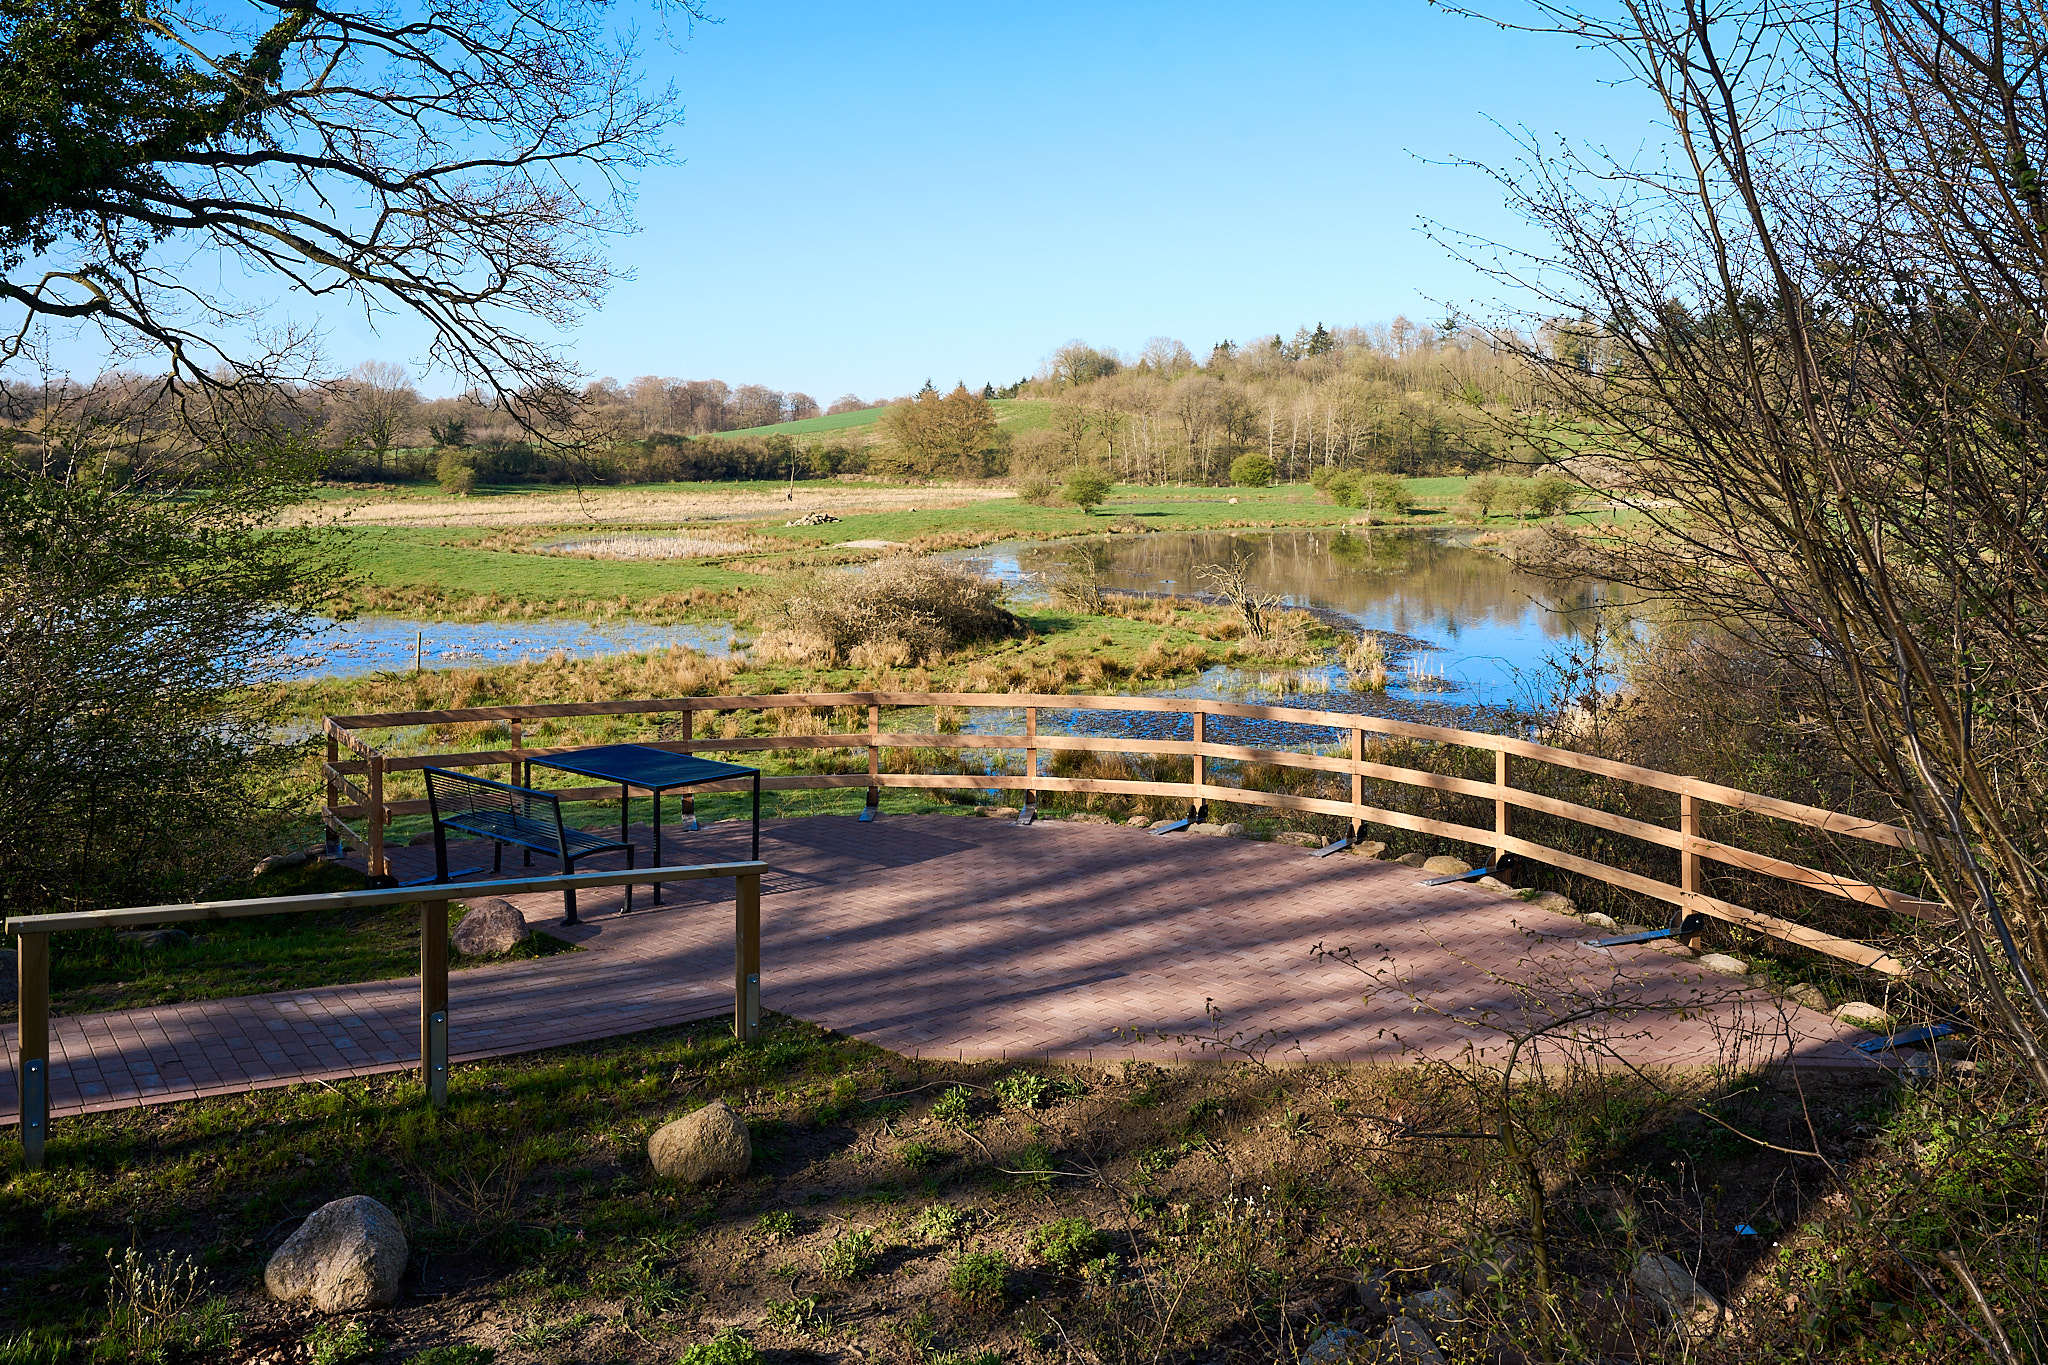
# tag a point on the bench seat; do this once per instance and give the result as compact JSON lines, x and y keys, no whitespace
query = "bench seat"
{"x":525,"y":817}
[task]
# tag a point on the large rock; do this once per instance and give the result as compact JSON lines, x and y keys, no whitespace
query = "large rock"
{"x":1550,"y":900}
{"x":1595,"y":920}
{"x":1337,"y":1346}
{"x":1861,"y":1014}
{"x":1370,"y":848}
{"x":1678,"y":1296}
{"x":1413,"y":859}
{"x":1443,"y":865}
{"x":1809,"y":995}
{"x":284,"y":862}
{"x":1233,"y":830}
{"x":1438,"y":1309}
{"x":702,"y":1146}
{"x":1300,"y":838}
{"x":1409,"y":1340}
{"x":1724,"y":964}
{"x":347,"y":1256}
{"x":492,"y":926}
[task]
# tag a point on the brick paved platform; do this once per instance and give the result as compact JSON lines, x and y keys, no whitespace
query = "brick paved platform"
{"x":962,"y":938}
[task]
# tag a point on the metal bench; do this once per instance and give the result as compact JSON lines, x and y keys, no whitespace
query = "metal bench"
{"x":505,"y":814}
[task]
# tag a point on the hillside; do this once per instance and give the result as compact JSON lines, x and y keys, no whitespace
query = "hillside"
{"x":1014,"y":415}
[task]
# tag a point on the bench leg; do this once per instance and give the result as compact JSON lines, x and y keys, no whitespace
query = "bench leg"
{"x":497,"y":856}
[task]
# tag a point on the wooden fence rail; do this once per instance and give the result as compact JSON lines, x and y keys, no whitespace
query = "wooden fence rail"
{"x":32,"y":960}
{"x":366,"y":799}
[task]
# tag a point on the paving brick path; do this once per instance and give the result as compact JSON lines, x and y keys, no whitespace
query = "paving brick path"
{"x":960,"y":938}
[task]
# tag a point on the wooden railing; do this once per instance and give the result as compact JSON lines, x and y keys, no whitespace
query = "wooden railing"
{"x":356,"y":786}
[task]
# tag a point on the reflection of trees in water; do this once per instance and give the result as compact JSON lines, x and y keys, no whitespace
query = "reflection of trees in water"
{"x":1413,"y":583}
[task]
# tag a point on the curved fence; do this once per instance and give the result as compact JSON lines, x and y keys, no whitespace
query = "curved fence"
{"x":1200,"y":733}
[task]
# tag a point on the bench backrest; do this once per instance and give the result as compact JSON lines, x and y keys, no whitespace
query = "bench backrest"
{"x":452,"y":795}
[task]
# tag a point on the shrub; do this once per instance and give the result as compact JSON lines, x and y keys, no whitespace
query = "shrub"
{"x":456,"y":472}
{"x":955,"y":1108}
{"x":851,"y":1255}
{"x":1085,"y":488}
{"x":727,"y":1348}
{"x":1384,"y":495}
{"x":977,"y":1282}
{"x":1483,"y":492}
{"x":1251,"y":471}
{"x":900,"y":611}
{"x":1027,"y":1090}
{"x":1342,"y":487}
{"x":1036,"y":488}
{"x":1068,"y":1244}
{"x":1549,"y":494}
{"x":1034,"y":1166}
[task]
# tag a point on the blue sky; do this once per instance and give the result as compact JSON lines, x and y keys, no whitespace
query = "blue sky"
{"x":867,"y":196}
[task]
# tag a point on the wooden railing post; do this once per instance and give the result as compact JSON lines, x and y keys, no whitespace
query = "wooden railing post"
{"x":689,"y":802}
{"x":1357,"y":784}
{"x":375,"y":856}
{"x":1200,"y":726}
{"x":331,"y":840}
{"x":746,"y":957}
{"x":1031,"y":762}
{"x":434,"y":1001}
{"x":1502,"y":781}
{"x":518,"y":764}
{"x":874,"y":802}
{"x":1688,"y":859}
{"x":32,"y":1065}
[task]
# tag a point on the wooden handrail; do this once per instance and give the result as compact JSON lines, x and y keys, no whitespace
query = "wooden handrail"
{"x":1357,"y":763}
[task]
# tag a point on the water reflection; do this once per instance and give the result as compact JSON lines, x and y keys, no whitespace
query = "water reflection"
{"x":375,"y":644}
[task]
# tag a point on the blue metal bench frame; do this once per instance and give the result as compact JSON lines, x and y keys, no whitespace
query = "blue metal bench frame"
{"x":521,"y":816}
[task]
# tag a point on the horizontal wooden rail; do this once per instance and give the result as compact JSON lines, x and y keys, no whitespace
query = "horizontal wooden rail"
{"x":860,"y":713}
{"x":32,"y":935}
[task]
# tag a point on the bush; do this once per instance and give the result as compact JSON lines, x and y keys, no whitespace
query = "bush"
{"x":1068,"y":1244}
{"x":1036,"y":488}
{"x":1549,"y":494}
{"x":901,"y":611}
{"x":851,"y":1255}
{"x":1251,"y":471}
{"x":977,"y":1282}
{"x":1085,"y":488}
{"x":1384,"y":495}
{"x":1027,"y":1090}
{"x":456,"y":471}
{"x":944,"y":1223}
{"x":727,"y":1348}
{"x":955,"y":1108}
{"x":1342,"y":487}
{"x":1483,"y":492}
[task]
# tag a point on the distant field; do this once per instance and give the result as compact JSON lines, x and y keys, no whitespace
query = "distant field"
{"x":1012,"y":415}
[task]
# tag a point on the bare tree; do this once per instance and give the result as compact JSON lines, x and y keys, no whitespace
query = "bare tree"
{"x":374,"y":405}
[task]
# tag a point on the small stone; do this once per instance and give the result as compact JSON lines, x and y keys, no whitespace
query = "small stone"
{"x":347,"y":1256}
{"x":492,"y":926}
{"x":1861,"y":1014}
{"x":1137,"y":822}
{"x":1443,"y":865}
{"x":702,"y":1146}
{"x":1808,"y":995}
{"x":1335,"y":1346}
{"x":1413,"y":859}
{"x":1088,"y":817}
{"x":1687,"y":1306}
{"x":1411,"y":1341}
{"x":1595,"y":920}
{"x":997,"y":812}
{"x":1229,"y":831}
{"x":1298,"y":838}
{"x":1550,"y":900}
{"x":1494,"y":884}
{"x":1370,"y":848}
{"x":1724,"y":964}
{"x":1670,"y":946}
{"x":155,"y":938}
{"x":1233,"y":502}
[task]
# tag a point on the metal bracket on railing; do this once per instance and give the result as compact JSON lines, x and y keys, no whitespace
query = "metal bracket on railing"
{"x":1028,"y":814}
{"x":1174,"y":828}
{"x":35,"y":1111}
{"x":1913,"y":1037}
{"x":753,"y":1006}
{"x":437,"y":1059}
{"x":1685,"y":928}
{"x":874,"y":805}
{"x":1327,"y":849}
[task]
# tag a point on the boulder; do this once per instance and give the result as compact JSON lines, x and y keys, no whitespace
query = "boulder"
{"x":1861,"y":1014}
{"x":154,"y":938}
{"x":1595,"y":920}
{"x":1298,"y":838}
{"x":702,"y":1146}
{"x":1412,"y":859}
{"x":1494,"y":884}
{"x":1409,"y":1340}
{"x":1443,"y":865}
{"x":1371,"y":848}
{"x":1809,"y":995}
{"x":997,"y":812}
{"x":1550,"y":900}
{"x":1336,"y":1346}
{"x":1162,"y":824}
{"x":1087,"y":817}
{"x":1436,"y":1309}
{"x":1670,"y":946}
{"x":492,"y":926}
{"x":283,"y":862}
{"x":1137,"y":822}
{"x":1677,"y":1295}
{"x":1232,"y":830}
{"x":347,"y":1256}
{"x":1724,"y":964}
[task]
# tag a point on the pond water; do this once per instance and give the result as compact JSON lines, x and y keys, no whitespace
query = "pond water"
{"x":1469,"y":638}
{"x":375,"y":644}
